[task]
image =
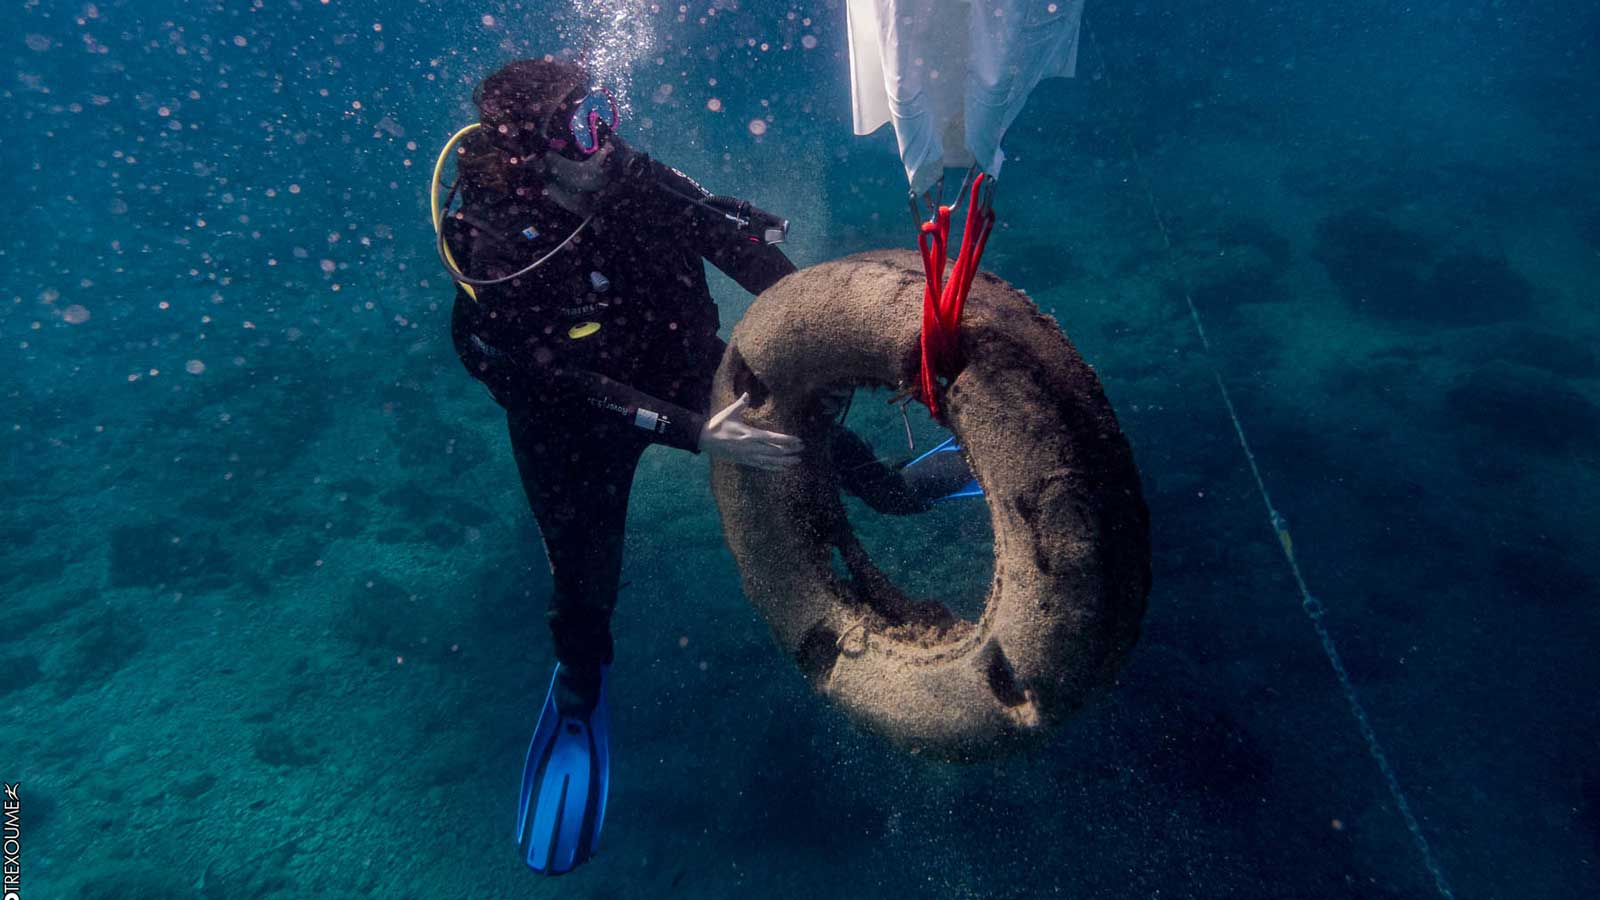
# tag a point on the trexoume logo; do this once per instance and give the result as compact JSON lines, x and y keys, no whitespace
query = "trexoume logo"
{"x":11,"y":878}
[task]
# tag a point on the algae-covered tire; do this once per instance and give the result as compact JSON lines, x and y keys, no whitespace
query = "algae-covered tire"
{"x":1072,"y":544}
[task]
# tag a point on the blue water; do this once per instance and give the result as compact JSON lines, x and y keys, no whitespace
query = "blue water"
{"x":273,"y":602}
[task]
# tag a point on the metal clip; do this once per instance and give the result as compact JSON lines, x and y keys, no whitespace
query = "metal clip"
{"x":902,"y":398}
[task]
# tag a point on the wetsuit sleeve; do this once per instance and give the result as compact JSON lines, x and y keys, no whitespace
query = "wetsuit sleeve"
{"x":753,"y":263}
{"x":517,"y":381}
{"x":545,"y":379}
{"x":666,"y":423}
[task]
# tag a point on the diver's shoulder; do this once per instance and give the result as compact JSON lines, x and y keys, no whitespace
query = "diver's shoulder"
{"x":657,"y":173}
{"x":675,"y":177}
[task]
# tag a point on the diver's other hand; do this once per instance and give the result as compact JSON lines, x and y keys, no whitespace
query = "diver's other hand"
{"x":727,"y":436}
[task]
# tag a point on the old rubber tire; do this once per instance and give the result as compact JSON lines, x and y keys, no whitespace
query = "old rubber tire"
{"x":1072,"y":546}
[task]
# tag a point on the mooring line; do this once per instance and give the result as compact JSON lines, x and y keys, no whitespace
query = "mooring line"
{"x":1313,"y":607}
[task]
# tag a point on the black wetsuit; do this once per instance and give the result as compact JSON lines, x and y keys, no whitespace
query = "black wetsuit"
{"x":608,"y":347}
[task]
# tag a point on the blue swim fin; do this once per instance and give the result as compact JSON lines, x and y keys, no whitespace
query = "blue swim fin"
{"x":941,"y":473}
{"x":564,"y":784}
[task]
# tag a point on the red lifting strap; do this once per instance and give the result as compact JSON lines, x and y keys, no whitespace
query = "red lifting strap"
{"x":942,"y":300}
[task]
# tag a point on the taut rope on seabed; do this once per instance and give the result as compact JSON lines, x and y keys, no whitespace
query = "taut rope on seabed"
{"x":1312,"y":607}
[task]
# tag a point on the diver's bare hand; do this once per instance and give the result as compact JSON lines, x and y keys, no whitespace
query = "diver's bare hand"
{"x":727,"y":436}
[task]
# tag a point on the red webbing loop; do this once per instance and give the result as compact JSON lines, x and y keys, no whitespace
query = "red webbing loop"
{"x":942,"y":301}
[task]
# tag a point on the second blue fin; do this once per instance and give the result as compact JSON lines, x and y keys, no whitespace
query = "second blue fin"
{"x":941,"y":473}
{"x":564,"y":783}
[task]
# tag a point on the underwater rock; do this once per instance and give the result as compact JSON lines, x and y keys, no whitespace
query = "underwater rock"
{"x":1361,"y":233}
{"x":443,"y":535}
{"x":165,"y":554}
{"x":1547,"y":350}
{"x":17,"y":672}
{"x":375,"y":613}
{"x":288,"y":408}
{"x":295,"y":556}
{"x":1376,"y":264}
{"x":395,"y":535}
{"x":31,"y":572}
{"x":215,"y":507}
{"x":418,"y":504}
{"x":18,"y":536}
{"x":355,"y":487}
{"x":1383,"y":378}
{"x":1526,"y":406}
{"x":1241,"y":231}
{"x":422,"y":435}
{"x":1234,"y":277}
{"x":1389,"y":271}
{"x":22,"y":617}
{"x":137,"y":885}
{"x":1035,"y":267}
{"x":277,"y":747}
{"x":103,"y":646}
{"x":348,"y":519}
{"x":1470,"y":288}
{"x":194,"y":786}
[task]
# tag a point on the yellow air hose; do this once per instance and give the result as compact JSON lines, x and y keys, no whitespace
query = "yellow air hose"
{"x":438,"y":211}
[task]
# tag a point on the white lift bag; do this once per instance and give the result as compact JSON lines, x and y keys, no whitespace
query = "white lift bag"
{"x":951,"y":75}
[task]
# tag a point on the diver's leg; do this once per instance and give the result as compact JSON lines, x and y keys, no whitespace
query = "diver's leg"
{"x":898,"y":490}
{"x":883,"y":487}
{"x":940,"y":474}
{"x":577,"y":475}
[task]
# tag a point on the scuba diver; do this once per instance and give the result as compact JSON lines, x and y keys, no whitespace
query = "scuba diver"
{"x":582,"y":304}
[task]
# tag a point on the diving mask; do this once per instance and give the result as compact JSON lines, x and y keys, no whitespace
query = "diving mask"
{"x":593,"y":117}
